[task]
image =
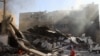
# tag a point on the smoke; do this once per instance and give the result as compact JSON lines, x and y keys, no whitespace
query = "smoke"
{"x":85,"y":18}
{"x":17,"y":6}
{"x":78,"y":3}
{"x":77,"y":21}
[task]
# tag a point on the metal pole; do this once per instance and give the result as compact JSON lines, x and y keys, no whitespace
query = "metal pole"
{"x":4,"y":10}
{"x":4,"y":18}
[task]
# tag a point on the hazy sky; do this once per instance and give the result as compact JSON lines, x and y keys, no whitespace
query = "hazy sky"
{"x":49,"y":5}
{"x":18,"y":6}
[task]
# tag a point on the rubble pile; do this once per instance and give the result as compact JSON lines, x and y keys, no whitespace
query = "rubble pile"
{"x":38,"y":41}
{"x":16,"y":45}
{"x":45,"y":39}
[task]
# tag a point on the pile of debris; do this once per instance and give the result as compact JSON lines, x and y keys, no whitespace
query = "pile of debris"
{"x":45,"y":39}
{"x":36,"y":41}
{"x":16,"y":44}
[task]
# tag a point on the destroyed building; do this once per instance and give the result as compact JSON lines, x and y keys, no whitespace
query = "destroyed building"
{"x":75,"y":22}
{"x":48,"y":33}
{"x":81,"y":21}
{"x":36,"y":18}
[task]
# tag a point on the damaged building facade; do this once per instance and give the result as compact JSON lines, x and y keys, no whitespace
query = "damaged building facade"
{"x":77,"y":22}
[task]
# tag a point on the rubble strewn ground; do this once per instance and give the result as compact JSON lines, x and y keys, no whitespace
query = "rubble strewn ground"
{"x":48,"y":41}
